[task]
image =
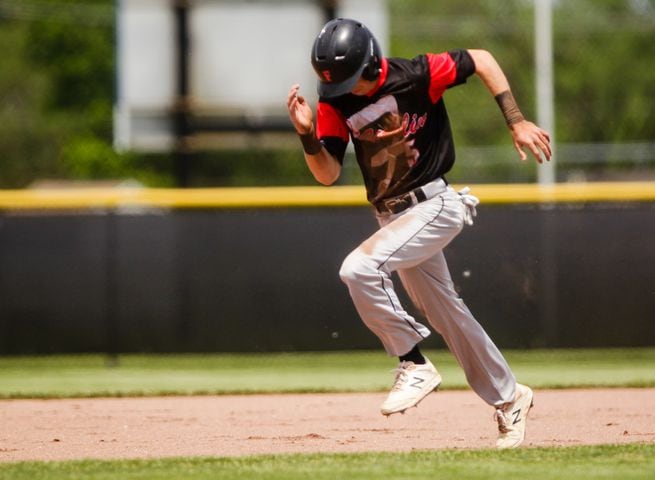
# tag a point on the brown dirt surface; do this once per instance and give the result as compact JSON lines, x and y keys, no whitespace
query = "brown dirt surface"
{"x":120,"y":428}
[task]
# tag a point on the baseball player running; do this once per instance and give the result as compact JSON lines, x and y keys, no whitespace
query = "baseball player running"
{"x":393,"y":111}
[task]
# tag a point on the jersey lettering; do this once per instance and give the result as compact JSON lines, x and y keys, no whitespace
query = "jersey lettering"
{"x":411,"y":126}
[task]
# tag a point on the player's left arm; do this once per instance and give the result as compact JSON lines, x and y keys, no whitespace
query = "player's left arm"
{"x":524,"y":133}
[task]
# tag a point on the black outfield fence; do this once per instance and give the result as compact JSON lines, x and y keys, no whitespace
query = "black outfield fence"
{"x":194,"y":275}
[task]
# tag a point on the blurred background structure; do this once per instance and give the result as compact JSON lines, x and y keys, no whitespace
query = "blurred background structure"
{"x":196,"y":76}
{"x":67,"y":63}
{"x":147,"y":95}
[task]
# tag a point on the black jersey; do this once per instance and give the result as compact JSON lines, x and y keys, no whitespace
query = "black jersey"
{"x":400,"y":130}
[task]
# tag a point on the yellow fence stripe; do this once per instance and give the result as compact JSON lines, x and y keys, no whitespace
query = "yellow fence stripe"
{"x":314,"y":196}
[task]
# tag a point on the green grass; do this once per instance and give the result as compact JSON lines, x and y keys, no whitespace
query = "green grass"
{"x":625,"y":462}
{"x":137,"y":375}
{"x":93,"y":375}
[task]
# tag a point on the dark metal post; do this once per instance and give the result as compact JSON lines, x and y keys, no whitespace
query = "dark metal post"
{"x":111,"y":289}
{"x":329,"y":9}
{"x":181,"y":111}
{"x":548,"y":297}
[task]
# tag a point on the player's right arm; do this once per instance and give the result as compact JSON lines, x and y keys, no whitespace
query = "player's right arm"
{"x":323,"y":165}
{"x":524,"y":133}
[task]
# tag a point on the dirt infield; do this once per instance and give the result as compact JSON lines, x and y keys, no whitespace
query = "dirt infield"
{"x":262,"y":424}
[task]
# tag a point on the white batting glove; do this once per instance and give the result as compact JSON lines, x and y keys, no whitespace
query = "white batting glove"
{"x":470,"y":202}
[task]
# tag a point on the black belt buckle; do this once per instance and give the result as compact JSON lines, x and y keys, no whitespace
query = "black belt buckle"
{"x":404,"y":201}
{"x":398,"y":204}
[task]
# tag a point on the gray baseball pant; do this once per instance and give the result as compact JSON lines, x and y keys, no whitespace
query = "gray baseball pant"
{"x":411,"y":243}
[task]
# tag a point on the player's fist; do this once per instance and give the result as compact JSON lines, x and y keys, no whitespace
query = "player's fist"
{"x":300,"y":112}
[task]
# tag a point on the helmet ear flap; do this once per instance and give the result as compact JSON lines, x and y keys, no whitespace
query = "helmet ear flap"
{"x":372,"y":70}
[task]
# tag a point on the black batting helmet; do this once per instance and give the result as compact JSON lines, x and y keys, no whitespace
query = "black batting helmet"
{"x":344,"y":51}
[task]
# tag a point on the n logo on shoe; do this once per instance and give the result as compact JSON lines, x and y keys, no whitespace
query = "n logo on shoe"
{"x":517,"y":416}
{"x":417,"y":382}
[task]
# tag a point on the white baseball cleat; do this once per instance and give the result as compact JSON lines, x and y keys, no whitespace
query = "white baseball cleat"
{"x":512,"y":418}
{"x":413,"y":383}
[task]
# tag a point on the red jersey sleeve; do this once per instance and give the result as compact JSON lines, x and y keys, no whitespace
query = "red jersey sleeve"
{"x":443,"y":72}
{"x":448,"y":69}
{"x":330,"y":123}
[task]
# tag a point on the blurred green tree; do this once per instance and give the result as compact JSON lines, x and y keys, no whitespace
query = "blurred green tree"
{"x":603,"y":60}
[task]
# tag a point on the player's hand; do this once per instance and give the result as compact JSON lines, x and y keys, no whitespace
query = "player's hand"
{"x":300,"y":112}
{"x":528,"y":135}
